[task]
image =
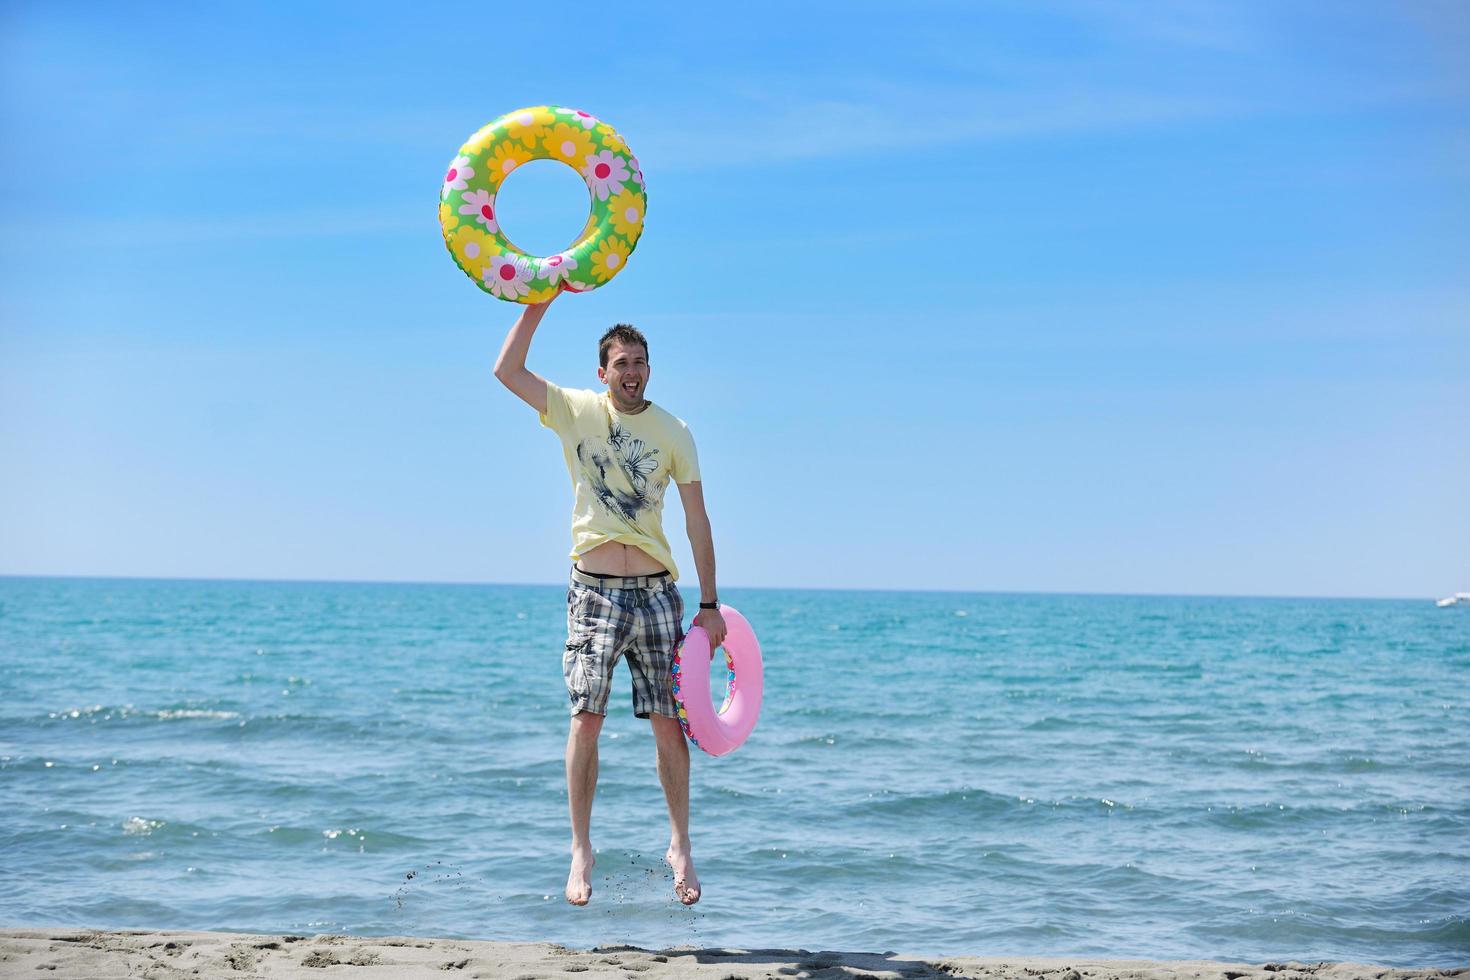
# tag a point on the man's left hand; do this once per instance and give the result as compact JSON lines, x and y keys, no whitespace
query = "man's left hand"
{"x":712,"y":623}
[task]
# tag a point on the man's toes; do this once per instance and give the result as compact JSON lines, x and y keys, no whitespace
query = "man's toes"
{"x":579,"y":890}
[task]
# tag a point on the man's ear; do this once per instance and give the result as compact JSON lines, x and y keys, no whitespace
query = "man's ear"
{"x":602,"y":375}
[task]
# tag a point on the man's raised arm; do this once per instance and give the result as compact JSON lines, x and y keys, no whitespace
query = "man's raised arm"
{"x":510,"y":366}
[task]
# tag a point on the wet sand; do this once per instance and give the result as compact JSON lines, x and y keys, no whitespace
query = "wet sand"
{"x":167,"y":955}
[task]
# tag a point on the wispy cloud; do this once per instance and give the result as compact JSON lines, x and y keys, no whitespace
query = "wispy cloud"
{"x":1212,"y":25}
{"x":787,"y":130}
{"x":1123,"y":68}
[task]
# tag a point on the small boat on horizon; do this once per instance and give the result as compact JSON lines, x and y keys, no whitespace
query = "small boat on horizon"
{"x":1453,"y":600}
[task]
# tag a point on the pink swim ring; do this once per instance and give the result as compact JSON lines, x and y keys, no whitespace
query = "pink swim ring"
{"x":719,"y":732}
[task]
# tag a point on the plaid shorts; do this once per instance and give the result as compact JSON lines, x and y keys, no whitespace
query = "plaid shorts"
{"x":604,"y":623}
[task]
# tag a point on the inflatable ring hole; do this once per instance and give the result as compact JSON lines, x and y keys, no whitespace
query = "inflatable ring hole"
{"x":720,"y":680}
{"x":542,"y":207}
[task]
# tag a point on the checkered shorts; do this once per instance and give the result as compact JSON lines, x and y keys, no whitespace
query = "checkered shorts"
{"x":605,"y":623}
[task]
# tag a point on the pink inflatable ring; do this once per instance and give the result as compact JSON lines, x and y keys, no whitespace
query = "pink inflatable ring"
{"x":719,"y":732}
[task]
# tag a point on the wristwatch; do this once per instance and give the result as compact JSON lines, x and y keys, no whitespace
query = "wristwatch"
{"x":710,"y":605}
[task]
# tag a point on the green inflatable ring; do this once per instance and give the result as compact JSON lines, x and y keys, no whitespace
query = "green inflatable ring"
{"x":545,"y":132}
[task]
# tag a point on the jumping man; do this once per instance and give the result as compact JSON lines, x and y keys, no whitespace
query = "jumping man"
{"x":621,"y":451}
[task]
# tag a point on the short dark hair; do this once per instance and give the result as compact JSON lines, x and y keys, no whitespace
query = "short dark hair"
{"x":620,"y":333}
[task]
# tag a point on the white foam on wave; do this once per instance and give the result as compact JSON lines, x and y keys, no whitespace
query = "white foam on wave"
{"x":94,"y":711}
{"x":140,"y":827}
{"x":334,"y":833}
{"x":76,"y":712}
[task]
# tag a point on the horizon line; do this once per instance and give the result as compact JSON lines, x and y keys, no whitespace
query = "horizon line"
{"x":754,"y":588}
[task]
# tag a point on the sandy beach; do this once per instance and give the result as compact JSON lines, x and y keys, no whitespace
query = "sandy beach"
{"x":166,"y":955}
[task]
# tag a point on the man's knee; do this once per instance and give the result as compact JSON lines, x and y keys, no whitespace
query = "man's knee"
{"x":666,"y":729}
{"x":587,"y":725}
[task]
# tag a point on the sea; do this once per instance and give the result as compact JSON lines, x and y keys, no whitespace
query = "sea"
{"x":932,"y":773}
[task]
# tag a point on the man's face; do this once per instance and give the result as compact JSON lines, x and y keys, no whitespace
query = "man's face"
{"x":626,"y":375}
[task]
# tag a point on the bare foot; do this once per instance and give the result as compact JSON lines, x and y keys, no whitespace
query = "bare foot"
{"x":579,"y":881}
{"x":686,"y":882}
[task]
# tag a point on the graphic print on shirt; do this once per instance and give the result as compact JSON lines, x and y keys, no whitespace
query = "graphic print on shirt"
{"x":621,"y":454}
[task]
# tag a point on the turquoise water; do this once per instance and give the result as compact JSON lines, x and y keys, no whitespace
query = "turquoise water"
{"x":1245,"y":779}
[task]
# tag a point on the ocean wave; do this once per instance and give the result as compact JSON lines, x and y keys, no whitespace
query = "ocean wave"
{"x":1321,"y":935}
{"x":95,"y":713}
{"x":352,"y":838}
{"x":937,"y":805}
{"x":162,"y":831}
{"x":140,"y":826}
{"x":1260,"y":816}
{"x":172,"y":714}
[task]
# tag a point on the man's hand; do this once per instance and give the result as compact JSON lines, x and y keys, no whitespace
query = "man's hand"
{"x":712,"y":623}
{"x":541,"y":306}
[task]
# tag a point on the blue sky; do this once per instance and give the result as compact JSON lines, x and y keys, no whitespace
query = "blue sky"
{"x":1068,"y":296}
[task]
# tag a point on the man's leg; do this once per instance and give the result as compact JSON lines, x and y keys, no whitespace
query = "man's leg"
{"x":594,"y":623}
{"x":581,"y":786}
{"x":673,"y":772}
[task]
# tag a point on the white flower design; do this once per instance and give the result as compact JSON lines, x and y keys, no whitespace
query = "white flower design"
{"x":637,"y":172}
{"x":605,"y":173}
{"x":508,"y":276}
{"x":586,"y":119}
{"x":481,"y":204}
{"x":555,"y":268}
{"x":455,"y":179}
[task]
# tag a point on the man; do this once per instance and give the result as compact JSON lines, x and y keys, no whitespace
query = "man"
{"x":621,"y":451}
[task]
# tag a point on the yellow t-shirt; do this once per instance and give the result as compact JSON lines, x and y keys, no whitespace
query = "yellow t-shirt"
{"x":620,"y":465}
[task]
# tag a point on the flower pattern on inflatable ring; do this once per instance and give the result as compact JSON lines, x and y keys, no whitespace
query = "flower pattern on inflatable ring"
{"x":609,"y":258}
{"x":508,"y":276}
{"x":480,"y":142}
{"x":473,"y":248}
{"x":637,"y":172}
{"x":584,"y":119}
{"x":606,"y":172}
{"x":528,"y":126}
{"x":626,"y":208}
{"x":481,"y":204}
{"x":457,"y":177}
{"x":448,"y":220}
{"x":569,"y":143}
{"x":555,"y":268}
{"x":611,"y":140}
{"x":507,"y":157}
